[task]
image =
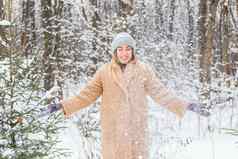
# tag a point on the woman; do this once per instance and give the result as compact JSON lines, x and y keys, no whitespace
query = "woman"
{"x":124,"y":84}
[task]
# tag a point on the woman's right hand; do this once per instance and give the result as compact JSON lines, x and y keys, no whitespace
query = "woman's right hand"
{"x":51,"y":108}
{"x":54,"y":107}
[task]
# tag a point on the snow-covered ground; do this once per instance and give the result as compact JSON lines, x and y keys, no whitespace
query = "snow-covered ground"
{"x":214,"y":146}
{"x":181,"y":139}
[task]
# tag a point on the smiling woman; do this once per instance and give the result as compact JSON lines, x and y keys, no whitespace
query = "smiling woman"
{"x":124,"y":54}
{"x":124,"y":84}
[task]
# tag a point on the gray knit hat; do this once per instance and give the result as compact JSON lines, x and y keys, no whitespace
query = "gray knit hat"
{"x":122,"y":39}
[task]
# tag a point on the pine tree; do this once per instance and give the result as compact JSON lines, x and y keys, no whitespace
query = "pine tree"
{"x":23,"y":134}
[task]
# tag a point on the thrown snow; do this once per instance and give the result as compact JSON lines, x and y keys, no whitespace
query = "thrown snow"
{"x":214,"y":146}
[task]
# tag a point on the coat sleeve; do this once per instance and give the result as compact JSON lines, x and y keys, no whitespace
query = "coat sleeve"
{"x":86,"y":96}
{"x":162,"y":95}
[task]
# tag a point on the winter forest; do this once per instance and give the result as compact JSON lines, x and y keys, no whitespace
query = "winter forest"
{"x":49,"y":49}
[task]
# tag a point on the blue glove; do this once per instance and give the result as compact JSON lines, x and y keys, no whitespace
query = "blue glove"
{"x":199,"y":109}
{"x":54,"y":107}
{"x":50,"y":109}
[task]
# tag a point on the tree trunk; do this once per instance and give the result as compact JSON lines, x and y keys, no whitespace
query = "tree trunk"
{"x":141,"y":27}
{"x":234,"y":51}
{"x":159,"y":19}
{"x":206,"y":25}
{"x":5,"y":33}
{"x":52,"y":58}
{"x":2,"y":31}
{"x":225,"y":37}
{"x":48,"y":43}
{"x":190,"y":41}
{"x":58,"y":10}
{"x":1,"y":10}
{"x":95,"y":24}
{"x":7,"y":10}
{"x":171,"y":19}
{"x":237,"y":7}
{"x":126,"y":7}
{"x":28,"y":36}
{"x":57,"y":50}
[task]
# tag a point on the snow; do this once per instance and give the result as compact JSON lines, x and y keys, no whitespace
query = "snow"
{"x":78,"y":146}
{"x":70,"y":140}
{"x":182,"y":141}
{"x":171,"y":138}
{"x":5,"y":23}
{"x":214,"y":146}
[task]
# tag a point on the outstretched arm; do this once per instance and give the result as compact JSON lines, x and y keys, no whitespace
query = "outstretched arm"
{"x":87,"y":96}
{"x":162,"y":95}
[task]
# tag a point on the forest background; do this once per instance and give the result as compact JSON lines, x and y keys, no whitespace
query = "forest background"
{"x":192,"y":44}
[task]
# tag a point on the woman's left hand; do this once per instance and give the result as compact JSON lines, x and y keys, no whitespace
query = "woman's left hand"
{"x":199,"y":109}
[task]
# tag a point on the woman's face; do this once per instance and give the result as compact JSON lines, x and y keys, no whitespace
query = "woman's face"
{"x":124,"y":54}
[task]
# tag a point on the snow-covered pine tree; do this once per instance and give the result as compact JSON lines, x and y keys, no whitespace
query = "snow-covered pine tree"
{"x":22,"y":134}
